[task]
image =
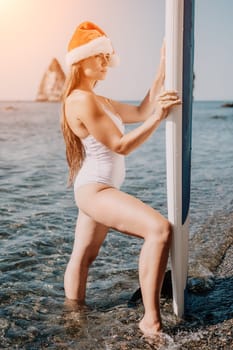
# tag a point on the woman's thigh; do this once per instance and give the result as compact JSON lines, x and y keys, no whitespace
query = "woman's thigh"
{"x":119,"y":210}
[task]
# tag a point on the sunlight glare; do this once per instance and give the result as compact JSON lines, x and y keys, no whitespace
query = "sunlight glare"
{"x":7,"y":6}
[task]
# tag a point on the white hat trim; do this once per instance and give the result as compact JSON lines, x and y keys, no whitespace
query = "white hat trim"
{"x":94,"y":47}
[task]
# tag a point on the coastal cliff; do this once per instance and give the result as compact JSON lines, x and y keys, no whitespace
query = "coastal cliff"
{"x":51,"y":85}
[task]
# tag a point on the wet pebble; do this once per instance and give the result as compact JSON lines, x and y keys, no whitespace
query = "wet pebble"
{"x":4,"y":324}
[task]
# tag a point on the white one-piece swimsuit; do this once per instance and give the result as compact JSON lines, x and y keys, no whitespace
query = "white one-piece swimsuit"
{"x":101,"y":165}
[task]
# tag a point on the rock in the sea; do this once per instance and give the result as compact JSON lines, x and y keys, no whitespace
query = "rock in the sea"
{"x":51,"y":85}
{"x":228,"y":105}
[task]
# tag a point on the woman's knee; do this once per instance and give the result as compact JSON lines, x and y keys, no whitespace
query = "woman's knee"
{"x":85,"y":256}
{"x":92,"y":254}
{"x":160,"y":231}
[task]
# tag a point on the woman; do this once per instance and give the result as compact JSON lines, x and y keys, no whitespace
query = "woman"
{"x":95,"y":147}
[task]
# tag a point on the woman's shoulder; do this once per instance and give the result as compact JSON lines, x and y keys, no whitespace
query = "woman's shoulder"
{"x":81,"y":96}
{"x":82,"y":103}
{"x":78,"y":95}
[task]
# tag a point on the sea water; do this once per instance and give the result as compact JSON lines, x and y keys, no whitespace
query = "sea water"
{"x":37,"y":222}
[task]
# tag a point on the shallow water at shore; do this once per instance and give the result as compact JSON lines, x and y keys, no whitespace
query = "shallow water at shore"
{"x":37,"y":223}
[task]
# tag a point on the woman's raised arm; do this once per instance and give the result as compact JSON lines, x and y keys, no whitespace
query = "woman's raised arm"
{"x":90,"y":112}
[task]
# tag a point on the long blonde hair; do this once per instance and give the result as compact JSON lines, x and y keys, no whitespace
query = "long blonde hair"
{"x":75,"y":152}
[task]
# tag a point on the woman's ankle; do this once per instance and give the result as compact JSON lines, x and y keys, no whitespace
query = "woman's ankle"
{"x":150,"y":326}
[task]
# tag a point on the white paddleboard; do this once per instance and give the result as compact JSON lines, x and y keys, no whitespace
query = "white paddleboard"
{"x":179,"y":76}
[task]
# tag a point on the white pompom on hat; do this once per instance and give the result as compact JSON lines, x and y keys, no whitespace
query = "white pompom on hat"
{"x":89,"y":40}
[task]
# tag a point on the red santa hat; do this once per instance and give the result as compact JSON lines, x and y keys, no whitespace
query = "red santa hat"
{"x":89,"y":40}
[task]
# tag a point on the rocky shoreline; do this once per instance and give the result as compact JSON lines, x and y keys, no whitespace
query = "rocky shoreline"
{"x":210,"y":325}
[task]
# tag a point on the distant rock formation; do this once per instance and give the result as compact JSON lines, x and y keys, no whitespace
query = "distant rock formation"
{"x":9,"y":108}
{"x":228,"y":105}
{"x":51,"y":85}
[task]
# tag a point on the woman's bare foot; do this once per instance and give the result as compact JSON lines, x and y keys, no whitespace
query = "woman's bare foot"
{"x":150,"y":329}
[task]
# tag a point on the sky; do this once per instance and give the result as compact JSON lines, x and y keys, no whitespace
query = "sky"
{"x":33,"y":32}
